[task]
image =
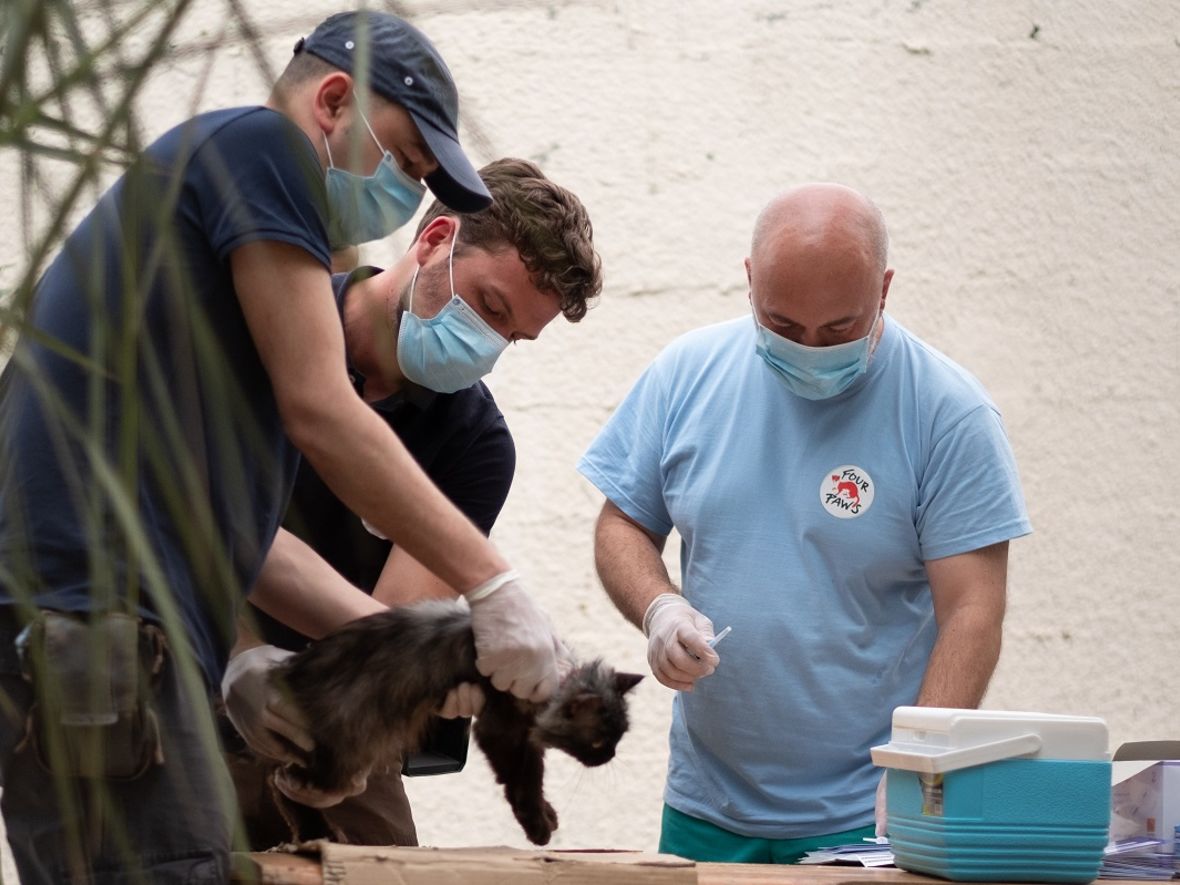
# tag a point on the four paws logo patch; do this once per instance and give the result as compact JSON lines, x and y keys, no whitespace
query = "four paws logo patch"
{"x":846,"y":492}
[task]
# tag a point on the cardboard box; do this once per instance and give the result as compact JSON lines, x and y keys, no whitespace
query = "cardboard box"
{"x":370,"y":865}
{"x":1145,"y":793}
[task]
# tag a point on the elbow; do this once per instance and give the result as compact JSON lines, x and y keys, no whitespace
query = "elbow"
{"x":307,"y":418}
{"x":614,"y":524}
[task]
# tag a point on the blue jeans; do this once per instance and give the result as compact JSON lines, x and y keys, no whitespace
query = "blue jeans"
{"x":172,"y":824}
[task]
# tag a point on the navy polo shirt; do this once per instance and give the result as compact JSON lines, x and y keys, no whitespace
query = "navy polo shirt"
{"x":459,"y":439}
{"x":143,"y":464}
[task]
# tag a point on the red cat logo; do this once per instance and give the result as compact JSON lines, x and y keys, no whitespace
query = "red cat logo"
{"x":847,"y":491}
{"x":847,"y":487}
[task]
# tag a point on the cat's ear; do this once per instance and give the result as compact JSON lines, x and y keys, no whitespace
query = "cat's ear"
{"x":624,"y":682}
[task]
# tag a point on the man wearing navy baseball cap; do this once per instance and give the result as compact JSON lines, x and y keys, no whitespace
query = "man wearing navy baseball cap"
{"x":379,"y":92}
{"x":184,"y":350}
{"x":405,"y":68}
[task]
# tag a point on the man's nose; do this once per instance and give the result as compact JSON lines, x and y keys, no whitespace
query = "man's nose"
{"x":811,"y":338}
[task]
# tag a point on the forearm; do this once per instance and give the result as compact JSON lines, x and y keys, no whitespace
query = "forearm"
{"x":629,"y":564}
{"x":404,"y":581}
{"x":963,"y":660}
{"x":297,"y":587}
{"x":969,"y":591}
{"x":369,"y":469}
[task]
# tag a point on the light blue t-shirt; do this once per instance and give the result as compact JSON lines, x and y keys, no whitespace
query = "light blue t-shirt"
{"x":805,"y":527}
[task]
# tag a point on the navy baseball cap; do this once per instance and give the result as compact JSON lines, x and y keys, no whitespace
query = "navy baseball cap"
{"x":405,"y":68}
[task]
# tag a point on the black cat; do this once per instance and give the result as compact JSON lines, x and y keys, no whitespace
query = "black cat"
{"x":369,"y":689}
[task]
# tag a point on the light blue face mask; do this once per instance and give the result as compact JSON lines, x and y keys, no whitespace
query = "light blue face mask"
{"x":815,"y":372}
{"x":452,"y":349}
{"x":363,"y":208}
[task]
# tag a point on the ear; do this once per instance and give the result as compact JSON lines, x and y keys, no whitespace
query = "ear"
{"x":332,"y":96}
{"x":885,"y":288}
{"x":435,"y":237}
{"x":624,"y":682}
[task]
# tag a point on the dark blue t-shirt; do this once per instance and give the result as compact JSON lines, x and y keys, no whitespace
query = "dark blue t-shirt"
{"x":459,"y":439}
{"x":142,"y":460}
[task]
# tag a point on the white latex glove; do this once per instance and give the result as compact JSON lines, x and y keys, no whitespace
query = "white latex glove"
{"x":879,"y":809}
{"x":258,"y":710}
{"x":514,"y":641}
{"x":565,"y":660}
{"x":678,"y":642}
{"x":463,"y":701}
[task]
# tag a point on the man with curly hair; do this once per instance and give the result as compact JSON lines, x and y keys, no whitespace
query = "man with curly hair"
{"x":413,"y":335}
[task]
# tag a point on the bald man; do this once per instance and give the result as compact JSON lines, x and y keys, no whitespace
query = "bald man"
{"x":845,"y":495}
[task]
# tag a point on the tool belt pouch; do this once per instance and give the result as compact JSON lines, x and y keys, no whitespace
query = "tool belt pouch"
{"x":93,"y":681}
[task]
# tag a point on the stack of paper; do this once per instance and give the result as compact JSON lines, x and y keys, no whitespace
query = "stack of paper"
{"x":1137,"y":858}
{"x":869,"y":853}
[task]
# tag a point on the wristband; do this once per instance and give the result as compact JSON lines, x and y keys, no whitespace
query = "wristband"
{"x":658,"y":602}
{"x":490,"y":586}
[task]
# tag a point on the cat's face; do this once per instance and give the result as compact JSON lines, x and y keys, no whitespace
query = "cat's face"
{"x":588,"y":714}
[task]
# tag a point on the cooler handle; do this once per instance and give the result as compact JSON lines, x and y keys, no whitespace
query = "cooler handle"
{"x":888,"y":756}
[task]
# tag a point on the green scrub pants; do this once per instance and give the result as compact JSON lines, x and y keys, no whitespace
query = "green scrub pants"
{"x":695,"y":839}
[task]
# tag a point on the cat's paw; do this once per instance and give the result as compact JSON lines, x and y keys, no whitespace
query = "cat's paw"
{"x":539,"y":826}
{"x":538,"y":834}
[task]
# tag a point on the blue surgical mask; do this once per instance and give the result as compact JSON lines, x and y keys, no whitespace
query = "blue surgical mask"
{"x":363,"y":208}
{"x":815,"y":372}
{"x":451,"y":350}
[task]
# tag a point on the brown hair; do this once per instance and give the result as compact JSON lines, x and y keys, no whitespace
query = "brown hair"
{"x":546,"y":224}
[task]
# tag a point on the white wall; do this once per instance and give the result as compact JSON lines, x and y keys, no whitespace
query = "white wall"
{"x":1024,"y":156}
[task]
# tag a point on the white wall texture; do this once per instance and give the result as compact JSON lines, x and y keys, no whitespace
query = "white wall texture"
{"x":1024,"y":154}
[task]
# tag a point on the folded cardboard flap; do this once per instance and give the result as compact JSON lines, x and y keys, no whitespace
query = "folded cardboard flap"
{"x":1154,"y":751}
{"x":370,"y":865}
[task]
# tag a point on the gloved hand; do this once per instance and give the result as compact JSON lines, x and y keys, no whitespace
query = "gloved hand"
{"x":463,"y":701}
{"x":515,"y":645}
{"x":678,"y":642}
{"x":467,"y":698}
{"x":879,"y":814}
{"x":258,"y":710}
